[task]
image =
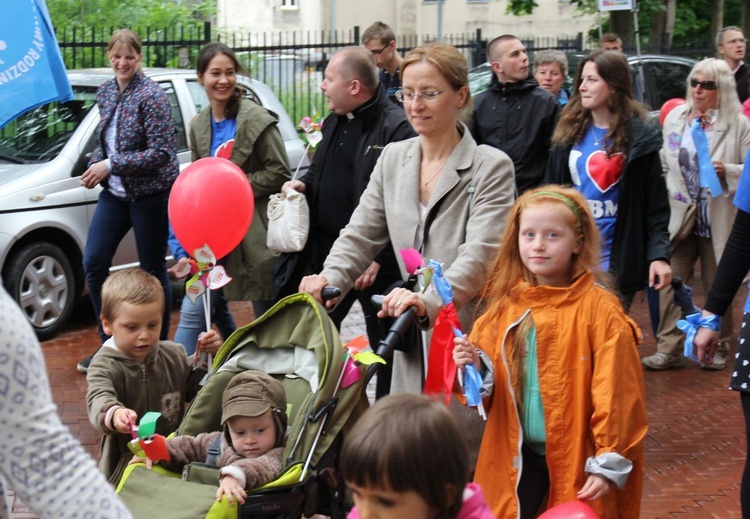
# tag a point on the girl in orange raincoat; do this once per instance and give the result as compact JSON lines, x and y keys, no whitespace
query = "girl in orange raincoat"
{"x":567,"y":415}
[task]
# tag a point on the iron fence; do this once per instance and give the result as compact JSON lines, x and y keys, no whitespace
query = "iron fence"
{"x":291,"y":63}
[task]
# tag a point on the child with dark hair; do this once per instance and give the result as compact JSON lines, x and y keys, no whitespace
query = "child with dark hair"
{"x":406,"y":459}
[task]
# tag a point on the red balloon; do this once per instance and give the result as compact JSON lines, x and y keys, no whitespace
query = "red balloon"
{"x":211,"y":203}
{"x":668,"y":106}
{"x":570,"y":510}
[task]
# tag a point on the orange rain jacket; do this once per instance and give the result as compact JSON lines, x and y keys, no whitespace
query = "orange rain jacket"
{"x":591,"y":387}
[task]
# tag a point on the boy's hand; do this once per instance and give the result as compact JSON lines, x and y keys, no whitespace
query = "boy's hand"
{"x":123,"y":418}
{"x":210,"y":342}
{"x":596,"y":487}
{"x":230,"y":487}
{"x":465,"y":353}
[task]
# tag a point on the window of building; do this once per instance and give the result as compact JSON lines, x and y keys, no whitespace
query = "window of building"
{"x":289,"y":4}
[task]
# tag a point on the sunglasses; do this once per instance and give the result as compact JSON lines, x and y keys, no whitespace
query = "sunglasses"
{"x":705,"y":85}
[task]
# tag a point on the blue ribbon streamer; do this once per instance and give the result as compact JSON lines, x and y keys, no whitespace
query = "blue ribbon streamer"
{"x":472,"y":379}
{"x":472,"y":385}
{"x":708,"y":176}
{"x":690,"y":326}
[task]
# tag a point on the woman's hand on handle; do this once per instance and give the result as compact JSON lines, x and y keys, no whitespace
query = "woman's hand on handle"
{"x":465,"y":353}
{"x":398,"y":300}
{"x":313,"y":285}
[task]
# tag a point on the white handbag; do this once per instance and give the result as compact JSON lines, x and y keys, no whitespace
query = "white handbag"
{"x":288,"y":221}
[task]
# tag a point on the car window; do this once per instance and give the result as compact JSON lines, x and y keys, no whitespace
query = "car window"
{"x":179,"y":122}
{"x":666,"y":80}
{"x":198,"y":93}
{"x":40,"y":134}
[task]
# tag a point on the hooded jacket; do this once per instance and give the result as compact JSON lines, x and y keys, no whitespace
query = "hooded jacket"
{"x":259,"y":151}
{"x":161,"y":383}
{"x":517,"y":118}
{"x":591,"y":385}
{"x":642,"y":227}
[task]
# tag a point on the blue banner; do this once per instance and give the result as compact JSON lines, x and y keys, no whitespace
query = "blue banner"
{"x":31,"y":69}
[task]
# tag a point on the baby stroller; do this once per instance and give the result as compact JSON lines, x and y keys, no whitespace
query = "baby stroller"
{"x":297,"y":343}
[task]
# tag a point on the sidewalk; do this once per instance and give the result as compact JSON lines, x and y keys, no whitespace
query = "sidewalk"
{"x":695,"y":447}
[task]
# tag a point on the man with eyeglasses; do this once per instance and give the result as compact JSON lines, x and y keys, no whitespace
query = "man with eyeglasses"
{"x":731,"y":44}
{"x":380,"y":40}
{"x":515,"y":114}
{"x":361,"y":123}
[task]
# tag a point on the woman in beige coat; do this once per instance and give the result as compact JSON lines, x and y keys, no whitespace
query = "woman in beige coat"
{"x":711,"y":96}
{"x":439,"y":192}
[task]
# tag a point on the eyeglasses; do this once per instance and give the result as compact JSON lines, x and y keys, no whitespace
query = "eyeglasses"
{"x":378,"y":52}
{"x":735,"y":41}
{"x":705,"y":85}
{"x":428,"y":96}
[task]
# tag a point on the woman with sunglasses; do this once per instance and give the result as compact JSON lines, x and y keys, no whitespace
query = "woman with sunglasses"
{"x":712,"y":100}
{"x":440,"y":193}
{"x":603,"y":146}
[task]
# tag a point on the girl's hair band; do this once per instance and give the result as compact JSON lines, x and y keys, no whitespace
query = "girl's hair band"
{"x":567,"y":201}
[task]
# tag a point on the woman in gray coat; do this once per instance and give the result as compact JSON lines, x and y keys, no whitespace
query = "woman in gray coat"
{"x":439,"y":192}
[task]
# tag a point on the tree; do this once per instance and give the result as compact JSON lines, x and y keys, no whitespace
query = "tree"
{"x":133,"y":13}
{"x":684,"y":24}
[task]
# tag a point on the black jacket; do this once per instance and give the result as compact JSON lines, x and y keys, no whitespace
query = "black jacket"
{"x":517,"y":118}
{"x":382,"y":123}
{"x":641,"y":230}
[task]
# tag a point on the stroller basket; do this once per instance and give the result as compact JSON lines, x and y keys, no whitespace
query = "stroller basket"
{"x":297,"y":343}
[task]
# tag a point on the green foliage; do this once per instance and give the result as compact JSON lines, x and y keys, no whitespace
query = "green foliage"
{"x":133,"y":13}
{"x":692,"y":18}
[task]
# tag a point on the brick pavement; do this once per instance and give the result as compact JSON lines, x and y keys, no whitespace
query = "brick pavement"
{"x":694,"y":450}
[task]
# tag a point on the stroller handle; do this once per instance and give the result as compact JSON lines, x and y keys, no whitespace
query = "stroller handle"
{"x":396,"y":333}
{"x":330,"y":292}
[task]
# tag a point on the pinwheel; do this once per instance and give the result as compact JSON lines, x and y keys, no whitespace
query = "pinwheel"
{"x":146,"y":443}
{"x":206,"y":275}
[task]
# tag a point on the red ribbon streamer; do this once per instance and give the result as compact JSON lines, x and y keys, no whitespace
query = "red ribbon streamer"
{"x":441,"y":369}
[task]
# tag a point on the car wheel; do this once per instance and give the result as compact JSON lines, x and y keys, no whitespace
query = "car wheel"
{"x":39,"y":277}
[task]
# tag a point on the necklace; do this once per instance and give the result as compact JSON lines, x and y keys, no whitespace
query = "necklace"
{"x":598,"y":141}
{"x":425,"y":183}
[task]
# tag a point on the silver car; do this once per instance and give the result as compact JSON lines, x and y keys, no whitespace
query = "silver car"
{"x":44,"y":211}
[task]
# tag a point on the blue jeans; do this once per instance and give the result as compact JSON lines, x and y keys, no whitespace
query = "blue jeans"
{"x":193,"y":320}
{"x":112,"y":219}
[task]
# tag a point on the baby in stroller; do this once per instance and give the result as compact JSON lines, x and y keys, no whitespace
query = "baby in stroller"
{"x":250,"y":449}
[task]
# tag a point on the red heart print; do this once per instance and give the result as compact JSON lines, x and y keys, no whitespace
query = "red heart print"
{"x":224,"y":150}
{"x":605,"y":171}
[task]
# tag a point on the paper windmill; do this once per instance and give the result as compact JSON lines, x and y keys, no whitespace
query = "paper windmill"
{"x":206,"y":273}
{"x":145,"y":442}
{"x":312,"y":127}
{"x":356,"y":356}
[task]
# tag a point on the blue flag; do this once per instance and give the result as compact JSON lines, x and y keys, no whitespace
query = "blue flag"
{"x":31,"y":69}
